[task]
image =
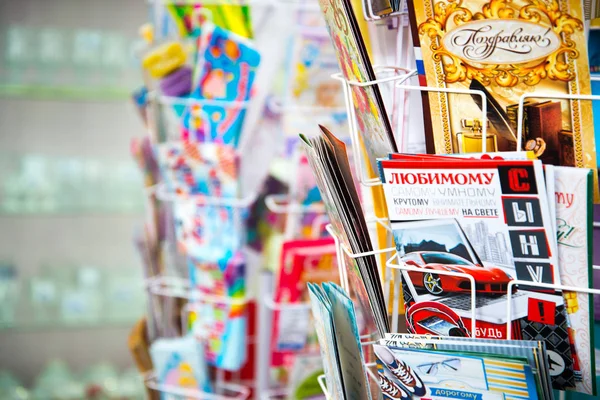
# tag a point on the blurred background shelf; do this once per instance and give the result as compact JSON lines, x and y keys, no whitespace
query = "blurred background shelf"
{"x":135,"y":213}
{"x":57,"y":93}
{"x":42,"y":327}
{"x":34,"y":184}
{"x":70,"y":194}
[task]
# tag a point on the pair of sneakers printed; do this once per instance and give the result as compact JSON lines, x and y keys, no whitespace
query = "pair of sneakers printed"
{"x":408,"y":383}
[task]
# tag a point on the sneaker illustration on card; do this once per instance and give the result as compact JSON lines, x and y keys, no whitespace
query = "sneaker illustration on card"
{"x":390,"y":389}
{"x":401,"y":371}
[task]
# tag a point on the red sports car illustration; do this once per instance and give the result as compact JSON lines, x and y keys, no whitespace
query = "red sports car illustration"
{"x":490,"y":280}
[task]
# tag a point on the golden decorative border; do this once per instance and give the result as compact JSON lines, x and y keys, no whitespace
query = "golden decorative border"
{"x":555,"y":66}
{"x":576,"y":122}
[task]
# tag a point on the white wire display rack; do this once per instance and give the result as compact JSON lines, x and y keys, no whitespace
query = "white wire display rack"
{"x":284,"y":204}
{"x":168,"y":286}
{"x":342,"y":251}
{"x":223,"y":390}
{"x":175,"y":287}
{"x":166,"y":128}
{"x":163,"y":194}
{"x":399,"y":83}
{"x":399,"y":75}
{"x":402,"y":75}
{"x":180,"y":288}
{"x":393,"y":266}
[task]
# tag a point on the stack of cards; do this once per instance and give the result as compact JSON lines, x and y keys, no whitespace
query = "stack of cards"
{"x":329,"y":162}
{"x":422,"y":367}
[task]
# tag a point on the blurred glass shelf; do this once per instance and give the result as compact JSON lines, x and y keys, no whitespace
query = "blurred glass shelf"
{"x":61,"y":214}
{"x":33,"y":327}
{"x":65,"y":93}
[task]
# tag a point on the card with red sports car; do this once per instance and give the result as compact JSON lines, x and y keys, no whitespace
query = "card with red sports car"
{"x":486,"y":222}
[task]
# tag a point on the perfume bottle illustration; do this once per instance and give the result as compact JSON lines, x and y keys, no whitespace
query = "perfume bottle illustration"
{"x":471,"y":141}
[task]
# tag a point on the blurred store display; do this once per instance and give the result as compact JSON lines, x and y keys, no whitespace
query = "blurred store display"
{"x":52,"y":62}
{"x":58,"y":382}
{"x":35,"y":184}
{"x":70,"y":296}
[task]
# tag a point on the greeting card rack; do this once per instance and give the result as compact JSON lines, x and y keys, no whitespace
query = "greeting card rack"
{"x":165,"y":128}
{"x":393,"y":267}
{"x":179,"y":287}
{"x":166,"y":286}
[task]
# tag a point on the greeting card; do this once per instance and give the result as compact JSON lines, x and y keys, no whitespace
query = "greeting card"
{"x":372,"y":120}
{"x":506,"y":49}
{"x":302,"y":261}
{"x":179,"y":363}
{"x":192,"y":168}
{"x":221,"y":324}
{"x":225,"y":69}
{"x":209,"y":232}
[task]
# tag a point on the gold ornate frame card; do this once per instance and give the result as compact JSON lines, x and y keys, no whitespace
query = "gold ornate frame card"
{"x":506,"y":49}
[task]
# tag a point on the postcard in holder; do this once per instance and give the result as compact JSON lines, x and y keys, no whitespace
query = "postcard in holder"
{"x":505,"y":50}
{"x":222,"y":326}
{"x":179,"y":364}
{"x":225,"y":70}
{"x":488,"y":219}
{"x":200,"y":169}
{"x":302,"y":261}
{"x":574,"y":214}
{"x":433,"y":374}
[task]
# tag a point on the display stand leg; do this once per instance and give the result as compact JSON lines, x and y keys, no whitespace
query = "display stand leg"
{"x":220,"y":381}
{"x":396,"y":300}
{"x":263,"y":350}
